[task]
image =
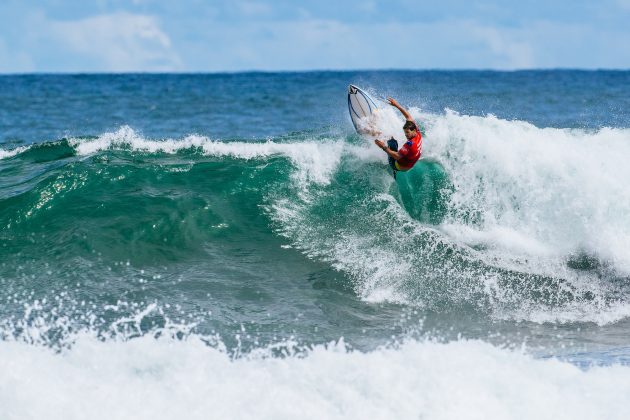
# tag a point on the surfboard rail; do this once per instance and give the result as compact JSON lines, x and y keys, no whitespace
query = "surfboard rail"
{"x":360,"y":105}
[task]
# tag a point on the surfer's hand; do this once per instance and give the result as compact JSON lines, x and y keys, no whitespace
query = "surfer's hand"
{"x":380,"y":143}
{"x":393,"y":102}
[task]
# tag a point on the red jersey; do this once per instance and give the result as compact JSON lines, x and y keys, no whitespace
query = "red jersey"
{"x":410,"y":152}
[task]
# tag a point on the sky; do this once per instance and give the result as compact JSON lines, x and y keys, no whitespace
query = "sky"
{"x":282,"y":35}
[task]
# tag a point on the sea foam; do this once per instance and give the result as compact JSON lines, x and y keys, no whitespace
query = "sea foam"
{"x":564,"y":190}
{"x":149,"y":378}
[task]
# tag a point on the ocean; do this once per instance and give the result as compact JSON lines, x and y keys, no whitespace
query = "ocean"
{"x":226,"y":246}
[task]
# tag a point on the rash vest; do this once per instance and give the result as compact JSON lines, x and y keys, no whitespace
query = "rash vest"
{"x":410,"y":152}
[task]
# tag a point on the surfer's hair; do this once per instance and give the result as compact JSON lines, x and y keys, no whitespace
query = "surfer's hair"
{"x":410,"y":125}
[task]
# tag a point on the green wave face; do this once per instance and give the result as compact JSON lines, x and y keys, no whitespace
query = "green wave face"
{"x":153,"y":207}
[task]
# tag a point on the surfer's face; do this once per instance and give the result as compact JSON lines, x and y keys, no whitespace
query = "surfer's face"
{"x":409,"y":133}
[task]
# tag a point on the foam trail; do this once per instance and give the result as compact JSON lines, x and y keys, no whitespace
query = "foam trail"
{"x":148,"y":378}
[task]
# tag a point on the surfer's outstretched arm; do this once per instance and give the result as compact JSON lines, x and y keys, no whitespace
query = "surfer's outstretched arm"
{"x":393,"y":102}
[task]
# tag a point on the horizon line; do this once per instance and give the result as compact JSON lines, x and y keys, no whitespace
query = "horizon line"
{"x":288,"y":71}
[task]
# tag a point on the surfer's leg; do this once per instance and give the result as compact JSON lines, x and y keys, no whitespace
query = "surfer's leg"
{"x":393,"y":145}
{"x":392,"y":163}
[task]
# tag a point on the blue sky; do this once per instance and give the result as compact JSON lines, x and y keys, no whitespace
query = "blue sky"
{"x":211,"y":36}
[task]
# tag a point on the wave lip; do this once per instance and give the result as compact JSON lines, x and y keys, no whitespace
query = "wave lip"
{"x":316,"y":161}
{"x":13,"y":152}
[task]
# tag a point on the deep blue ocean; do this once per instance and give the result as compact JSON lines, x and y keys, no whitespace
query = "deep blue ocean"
{"x":227,"y":246}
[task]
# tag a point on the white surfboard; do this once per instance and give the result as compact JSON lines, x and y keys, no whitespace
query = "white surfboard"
{"x":360,"y":106}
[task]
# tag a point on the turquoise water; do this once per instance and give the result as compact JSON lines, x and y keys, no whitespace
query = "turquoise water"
{"x":232,"y":232}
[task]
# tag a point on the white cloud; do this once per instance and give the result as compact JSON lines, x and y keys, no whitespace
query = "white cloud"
{"x":508,"y":52}
{"x":136,"y":42}
{"x":329,"y":44}
{"x":119,"y":42}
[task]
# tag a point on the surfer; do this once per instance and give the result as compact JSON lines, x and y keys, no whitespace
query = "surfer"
{"x":410,"y":152}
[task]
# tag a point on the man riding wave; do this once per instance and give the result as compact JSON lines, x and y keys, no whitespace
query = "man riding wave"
{"x":410,"y":152}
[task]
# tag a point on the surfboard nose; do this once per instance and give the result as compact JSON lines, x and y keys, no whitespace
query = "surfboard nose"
{"x":352,"y":89}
